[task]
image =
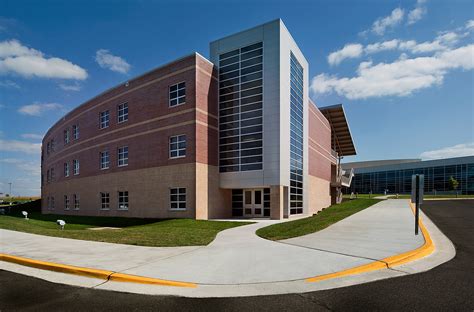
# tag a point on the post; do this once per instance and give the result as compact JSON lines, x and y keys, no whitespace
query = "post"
{"x":417,"y":200}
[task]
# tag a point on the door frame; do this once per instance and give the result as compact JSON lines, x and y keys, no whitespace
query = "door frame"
{"x":253,"y":204}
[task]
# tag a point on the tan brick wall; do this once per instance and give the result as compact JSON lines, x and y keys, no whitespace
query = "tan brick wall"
{"x":319,"y":195}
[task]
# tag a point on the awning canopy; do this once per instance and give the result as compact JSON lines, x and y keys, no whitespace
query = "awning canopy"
{"x":341,"y":134}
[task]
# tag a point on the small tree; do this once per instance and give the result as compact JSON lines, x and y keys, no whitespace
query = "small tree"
{"x":453,"y":183}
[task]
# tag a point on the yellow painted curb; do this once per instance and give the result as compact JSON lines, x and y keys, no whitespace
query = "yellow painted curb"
{"x":88,"y":272}
{"x":101,"y":274}
{"x":426,"y":249}
{"x":119,"y":277}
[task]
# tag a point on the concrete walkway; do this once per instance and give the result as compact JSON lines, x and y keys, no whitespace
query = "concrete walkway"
{"x":237,"y":256}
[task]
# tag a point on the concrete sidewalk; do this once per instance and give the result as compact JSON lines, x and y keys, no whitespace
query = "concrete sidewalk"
{"x":237,"y":256}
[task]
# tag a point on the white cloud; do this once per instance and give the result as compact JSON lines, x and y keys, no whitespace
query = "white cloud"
{"x":109,"y":61}
{"x":459,"y":150}
{"x":417,"y":13}
{"x":399,"y":78}
{"x":20,"y":146}
{"x":27,"y":62}
{"x":349,"y":51}
{"x":470,"y":24}
{"x":444,"y":41}
{"x":381,"y":46}
{"x":31,"y":168}
{"x":380,"y":25}
{"x":33,"y":136}
{"x":38,"y":108}
{"x":9,"y":84}
{"x":73,"y":87}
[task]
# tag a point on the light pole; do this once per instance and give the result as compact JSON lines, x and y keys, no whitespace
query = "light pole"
{"x":10,"y":193}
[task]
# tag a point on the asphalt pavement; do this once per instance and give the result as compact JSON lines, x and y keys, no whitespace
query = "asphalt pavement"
{"x":449,"y":286}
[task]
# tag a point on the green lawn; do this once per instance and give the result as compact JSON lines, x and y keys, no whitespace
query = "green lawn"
{"x":133,"y":231}
{"x":317,"y":222}
{"x":348,"y":196}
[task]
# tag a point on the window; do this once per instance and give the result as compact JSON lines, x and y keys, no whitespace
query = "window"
{"x":52,"y":174}
{"x":48,"y":176}
{"x":178,"y":198}
{"x":123,"y":200}
{"x":296,"y":136}
{"x":105,"y":201}
{"x":104,"y":160}
{"x":123,"y":156}
{"x":76,"y":201}
{"x":66,"y":202}
{"x":66,"y":136}
{"x":104,"y":119}
{"x":66,"y":170}
{"x":52,"y":145}
{"x":52,"y":203}
{"x":178,"y":146}
{"x":177,"y":94}
{"x":75,"y":132}
{"x":241,"y":109}
{"x":75,"y":164}
{"x":48,"y":148}
{"x":122,"y":112}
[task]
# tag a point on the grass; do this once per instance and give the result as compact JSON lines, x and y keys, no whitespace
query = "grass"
{"x":317,"y":222}
{"x":348,"y":196}
{"x":133,"y":231}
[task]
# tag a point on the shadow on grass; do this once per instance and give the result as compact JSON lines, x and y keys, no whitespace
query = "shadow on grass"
{"x":34,"y":212}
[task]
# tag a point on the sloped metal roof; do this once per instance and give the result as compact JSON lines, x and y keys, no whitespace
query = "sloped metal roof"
{"x":341,"y":138}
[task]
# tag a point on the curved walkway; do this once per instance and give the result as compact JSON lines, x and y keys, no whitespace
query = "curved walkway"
{"x":237,"y":257}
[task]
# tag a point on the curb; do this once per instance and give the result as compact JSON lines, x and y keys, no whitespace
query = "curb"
{"x":426,"y":249}
{"x":94,"y":273}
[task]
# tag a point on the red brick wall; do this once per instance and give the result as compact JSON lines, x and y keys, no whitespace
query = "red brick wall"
{"x":319,"y":150}
{"x":150,"y":123}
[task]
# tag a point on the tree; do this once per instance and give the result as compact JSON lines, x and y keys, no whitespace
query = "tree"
{"x":453,"y":183}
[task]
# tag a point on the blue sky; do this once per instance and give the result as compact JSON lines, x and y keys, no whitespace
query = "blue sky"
{"x":403,"y":69}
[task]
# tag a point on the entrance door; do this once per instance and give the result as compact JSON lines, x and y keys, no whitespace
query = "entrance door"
{"x":253,"y":203}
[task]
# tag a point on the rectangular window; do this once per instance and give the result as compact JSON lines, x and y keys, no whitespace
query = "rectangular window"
{"x":75,"y":164}
{"x":122,"y":156}
{"x":76,"y":201}
{"x":75,"y":132}
{"x":122,"y":112}
{"x":48,"y":176}
{"x":48,"y":148}
{"x":296,"y":136}
{"x":177,"y":94}
{"x":66,"y":170}
{"x":66,"y":202}
{"x":178,"y":198}
{"x":104,"y":160}
{"x":241,"y":109}
{"x":105,"y":201}
{"x":177,"y":146}
{"x":52,"y":203}
{"x":104,"y":119}
{"x":52,"y":174}
{"x":52,"y":145}
{"x":66,"y":136}
{"x":123,"y":200}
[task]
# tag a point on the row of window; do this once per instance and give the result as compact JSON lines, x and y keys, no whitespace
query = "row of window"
{"x":177,"y":96}
{"x":177,"y":200}
{"x":177,"y":149}
{"x":75,"y":134}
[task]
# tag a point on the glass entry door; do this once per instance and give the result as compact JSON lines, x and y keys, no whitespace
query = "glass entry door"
{"x":253,"y":203}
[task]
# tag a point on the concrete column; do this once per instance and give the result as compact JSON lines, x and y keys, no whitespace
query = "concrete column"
{"x":277,"y":202}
